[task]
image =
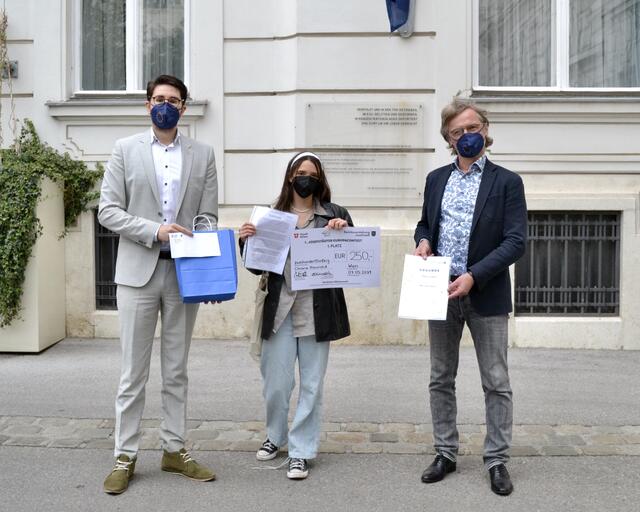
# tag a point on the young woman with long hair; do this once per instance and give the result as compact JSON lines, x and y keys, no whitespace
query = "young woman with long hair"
{"x":299,"y":324}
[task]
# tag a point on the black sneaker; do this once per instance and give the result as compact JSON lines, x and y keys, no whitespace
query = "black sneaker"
{"x":298,"y":469}
{"x":267,"y":451}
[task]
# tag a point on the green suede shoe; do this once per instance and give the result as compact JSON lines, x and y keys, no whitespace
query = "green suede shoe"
{"x":182,"y":464}
{"x":118,"y":480}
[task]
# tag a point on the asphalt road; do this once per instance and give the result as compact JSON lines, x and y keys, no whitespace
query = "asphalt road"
{"x":52,"y":480}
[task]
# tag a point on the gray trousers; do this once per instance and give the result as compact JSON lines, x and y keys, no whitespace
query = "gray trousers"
{"x":490,"y":336}
{"x":138,"y":312}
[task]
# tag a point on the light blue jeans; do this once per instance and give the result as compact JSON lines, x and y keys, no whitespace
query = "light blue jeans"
{"x":490,"y":338}
{"x":277,"y":365}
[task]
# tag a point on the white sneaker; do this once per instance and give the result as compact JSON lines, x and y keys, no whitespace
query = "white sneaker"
{"x":298,"y":469}
{"x":267,"y":451}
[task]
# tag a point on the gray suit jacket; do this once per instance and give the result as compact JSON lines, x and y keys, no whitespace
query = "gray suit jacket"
{"x":130,"y":201}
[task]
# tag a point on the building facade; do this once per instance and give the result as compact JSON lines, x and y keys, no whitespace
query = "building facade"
{"x":269,"y":78}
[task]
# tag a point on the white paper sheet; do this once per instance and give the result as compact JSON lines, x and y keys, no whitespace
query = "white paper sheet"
{"x":335,"y":258}
{"x":424,"y":294}
{"x":201,"y":244}
{"x":268,"y":248}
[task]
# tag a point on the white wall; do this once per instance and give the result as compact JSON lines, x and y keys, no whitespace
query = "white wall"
{"x":257,"y":65}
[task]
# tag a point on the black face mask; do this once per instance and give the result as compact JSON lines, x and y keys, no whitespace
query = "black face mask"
{"x":306,"y":185}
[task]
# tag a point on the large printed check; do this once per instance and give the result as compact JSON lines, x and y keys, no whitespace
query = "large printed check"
{"x":330,"y":258}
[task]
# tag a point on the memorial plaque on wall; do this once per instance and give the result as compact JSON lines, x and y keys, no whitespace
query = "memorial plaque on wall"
{"x":375,"y":179}
{"x":365,"y":125}
{"x":352,"y":139}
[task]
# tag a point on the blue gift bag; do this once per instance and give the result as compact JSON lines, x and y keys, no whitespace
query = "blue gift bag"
{"x":209,"y":278}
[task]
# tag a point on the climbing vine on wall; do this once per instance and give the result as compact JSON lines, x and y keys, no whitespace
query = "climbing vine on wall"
{"x":24,"y":165}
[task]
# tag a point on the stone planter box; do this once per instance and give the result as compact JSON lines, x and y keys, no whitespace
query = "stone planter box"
{"x":42,"y":319}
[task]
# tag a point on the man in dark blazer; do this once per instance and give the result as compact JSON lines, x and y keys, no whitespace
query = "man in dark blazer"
{"x":474,"y":212}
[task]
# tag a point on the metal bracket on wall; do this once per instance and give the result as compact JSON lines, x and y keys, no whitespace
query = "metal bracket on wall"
{"x":13,"y":69}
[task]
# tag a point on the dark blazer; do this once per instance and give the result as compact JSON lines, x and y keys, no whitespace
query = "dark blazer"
{"x":329,"y":307}
{"x":498,"y":232}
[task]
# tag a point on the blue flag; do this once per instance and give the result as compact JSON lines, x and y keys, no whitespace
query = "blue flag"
{"x":401,"y":14}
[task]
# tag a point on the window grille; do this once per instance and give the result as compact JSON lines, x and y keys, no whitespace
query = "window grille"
{"x":106,"y":243}
{"x":571,"y":266}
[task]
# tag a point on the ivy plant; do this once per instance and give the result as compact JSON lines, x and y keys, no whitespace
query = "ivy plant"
{"x":23,"y":166}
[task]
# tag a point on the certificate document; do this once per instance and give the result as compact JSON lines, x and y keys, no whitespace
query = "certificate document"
{"x":335,"y":258}
{"x":268,"y":248}
{"x":200,"y":245}
{"x":424,"y":294}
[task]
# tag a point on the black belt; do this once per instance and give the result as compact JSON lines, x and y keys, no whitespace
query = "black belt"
{"x":453,"y":278}
{"x":165,"y":255}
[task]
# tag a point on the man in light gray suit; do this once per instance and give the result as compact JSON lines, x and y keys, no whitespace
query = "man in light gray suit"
{"x":155,"y":183}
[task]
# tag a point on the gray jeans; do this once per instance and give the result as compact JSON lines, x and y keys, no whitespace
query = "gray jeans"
{"x":489,"y":335}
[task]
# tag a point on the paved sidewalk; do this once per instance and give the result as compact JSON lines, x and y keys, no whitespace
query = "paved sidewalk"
{"x":77,"y":378}
{"x":566,"y":402}
{"x":576,"y":433}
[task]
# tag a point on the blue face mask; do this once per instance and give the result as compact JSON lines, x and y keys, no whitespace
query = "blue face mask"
{"x":470,"y":145}
{"x":165,"y":116}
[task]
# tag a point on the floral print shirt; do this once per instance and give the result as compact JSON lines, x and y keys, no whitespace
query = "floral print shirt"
{"x":456,"y":214}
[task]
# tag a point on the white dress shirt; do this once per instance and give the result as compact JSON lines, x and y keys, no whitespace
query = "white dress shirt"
{"x":167,"y":161}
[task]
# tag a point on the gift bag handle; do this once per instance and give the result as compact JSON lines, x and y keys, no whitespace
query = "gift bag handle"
{"x":200,"y":223}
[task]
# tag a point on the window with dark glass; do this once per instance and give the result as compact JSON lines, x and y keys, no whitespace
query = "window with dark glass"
{"x":126,"y":43}
{"x":106,"y":251}
{"x":559,"y":43}
{"x":604,"y":43}
{"x":104,"y":48}
{"x":515,"y":43}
